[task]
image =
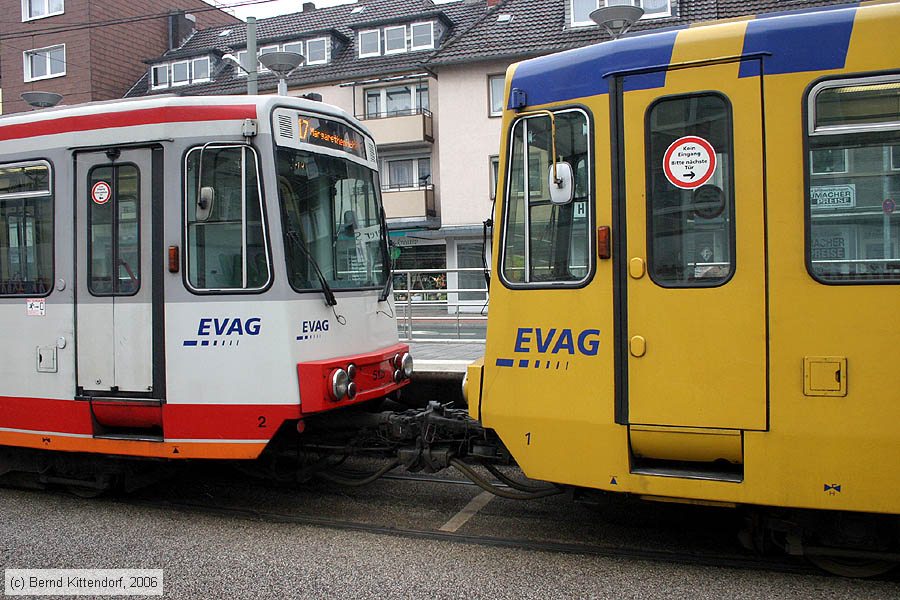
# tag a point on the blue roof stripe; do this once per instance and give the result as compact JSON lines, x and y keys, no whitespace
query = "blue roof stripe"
{"x":804,"y":41}
{"x":579,"y":73}
{"x":815,"y":39}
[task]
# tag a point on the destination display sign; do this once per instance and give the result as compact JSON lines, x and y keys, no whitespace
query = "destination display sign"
{"x":331,"y":134}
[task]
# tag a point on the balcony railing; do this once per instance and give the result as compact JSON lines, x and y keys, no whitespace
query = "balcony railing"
{"x":401,"y":126}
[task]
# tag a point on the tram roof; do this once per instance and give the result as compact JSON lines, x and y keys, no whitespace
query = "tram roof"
{"x":154,"y":110}
{"x":788,"y":42}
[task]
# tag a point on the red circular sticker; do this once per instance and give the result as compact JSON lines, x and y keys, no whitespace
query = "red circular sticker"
{"x":689,"y":162}
{"x":101,"y":192}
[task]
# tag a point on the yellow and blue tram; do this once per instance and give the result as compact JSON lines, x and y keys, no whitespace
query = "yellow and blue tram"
{"x":696,"y":266}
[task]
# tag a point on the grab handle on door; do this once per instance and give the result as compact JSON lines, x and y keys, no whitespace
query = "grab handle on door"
{"x":638,"y":346}
{"x":636,"y":268}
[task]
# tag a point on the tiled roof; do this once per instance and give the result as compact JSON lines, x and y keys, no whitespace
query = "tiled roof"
{"x":539,"y":26}
{"x":536,"y":27}
{"x":341,"y":20}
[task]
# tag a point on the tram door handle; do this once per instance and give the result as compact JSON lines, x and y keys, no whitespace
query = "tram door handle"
{"x":636,"y":268}
{"x":638,"y":346}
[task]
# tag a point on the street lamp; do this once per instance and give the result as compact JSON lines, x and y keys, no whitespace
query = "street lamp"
{"x":282,"y":64}
{"x":617,"y":19}
{"x":41,"y":99}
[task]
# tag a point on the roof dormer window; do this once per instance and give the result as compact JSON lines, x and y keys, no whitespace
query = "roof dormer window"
{"x":421,"y":36}
{"x":317,"y":51}
{"x":370,"y":43}
{"x":395,"y":39}
{"x":580,"y":10}
{"x":182,"y":72}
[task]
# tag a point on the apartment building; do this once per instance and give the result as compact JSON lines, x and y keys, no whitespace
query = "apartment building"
{"x":90,"y":49}
{"x":427,"y":79}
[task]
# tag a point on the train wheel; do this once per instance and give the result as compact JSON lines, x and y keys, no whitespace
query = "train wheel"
{"x":835,"y":539}
{"x":852,"y":567}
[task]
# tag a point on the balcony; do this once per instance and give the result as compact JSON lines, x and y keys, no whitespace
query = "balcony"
{"x":409,"y":203}
{"x":401,"y":127}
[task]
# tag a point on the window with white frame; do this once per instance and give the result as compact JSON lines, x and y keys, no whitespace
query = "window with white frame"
{"x":370,"y":43}
{"x":495,"y":174}
{"x":38,"y":9}
{"x":159,"y":76}
{"x":200,"y":69}
{"x":317,"y":51}
{"x":181,"y":73}
{"x":398,"y":100}
{"x":44,"y":63}
{"x":178,"y":73}
{"x":421,"y":36}
{"x":496,"y":87}
{"x":580,"y":10}
{"x":407,"y":172}
{"x":394,"y":39}
{"x":294,"y":47}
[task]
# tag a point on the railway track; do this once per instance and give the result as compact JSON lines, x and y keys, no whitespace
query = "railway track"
{"x":780,"y":564}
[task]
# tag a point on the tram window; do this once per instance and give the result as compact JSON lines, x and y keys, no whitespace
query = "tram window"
{"x":691,"y":228}
{"x":26,"y":229}
{"x":226,"y":243}
{"x":545,"y":242}
{"x":114,"y":266}
{"x":854,"y":227}
{"x":331,"y":214}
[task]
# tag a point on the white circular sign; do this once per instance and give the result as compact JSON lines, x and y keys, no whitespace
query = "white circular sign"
{"x":689,"y":162}
{"x":101,"y":192}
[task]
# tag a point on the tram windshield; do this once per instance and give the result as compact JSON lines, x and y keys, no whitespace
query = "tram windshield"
{"x":332,"y":219}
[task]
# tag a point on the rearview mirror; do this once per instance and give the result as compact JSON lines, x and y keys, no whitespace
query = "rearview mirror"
{"x":205,"y":202}
{"x":561,"y":183}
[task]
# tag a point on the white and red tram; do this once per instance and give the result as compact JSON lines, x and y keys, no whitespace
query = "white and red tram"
{"x":182,"y":277}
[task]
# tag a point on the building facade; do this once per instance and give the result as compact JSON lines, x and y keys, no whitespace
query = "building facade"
{"x":427,"y":79}
{"x":89,"y":50}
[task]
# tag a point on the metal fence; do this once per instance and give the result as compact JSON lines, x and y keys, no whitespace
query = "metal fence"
{"x":441,"y":305}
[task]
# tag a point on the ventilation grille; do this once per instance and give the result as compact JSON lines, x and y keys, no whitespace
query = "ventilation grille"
{"x":285,"y":127}
{"x":370,"y":151}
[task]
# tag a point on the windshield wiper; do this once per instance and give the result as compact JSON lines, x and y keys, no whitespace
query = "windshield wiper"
{"x":330,"y":299}
{"x":385,"y":259}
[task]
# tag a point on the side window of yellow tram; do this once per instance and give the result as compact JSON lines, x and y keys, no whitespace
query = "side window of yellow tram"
{"x":545,"y":242}
{"x":691,"y":228}
{"x":854,"y":180}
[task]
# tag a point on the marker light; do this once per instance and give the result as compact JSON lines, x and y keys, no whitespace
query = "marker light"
{"x":398,"y":376}
{"x":173,"y":259}
{"x":351,"y":371}
{"x":351,"y":391}
{"x":340,"y":382}
{"x":406,"y":365}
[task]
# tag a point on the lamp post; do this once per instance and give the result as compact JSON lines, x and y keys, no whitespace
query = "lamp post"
{"x":617,"y":19}
{"x":282,"y":64}
{"x":41,"y":99}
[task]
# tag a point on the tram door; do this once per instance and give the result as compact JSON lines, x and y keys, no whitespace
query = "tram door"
{"x":695,"y":272}
{"x":114,"y":315}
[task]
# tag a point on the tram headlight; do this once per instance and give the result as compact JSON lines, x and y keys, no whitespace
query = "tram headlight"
{"x":340,"y":384}
{"x":406,"y":365}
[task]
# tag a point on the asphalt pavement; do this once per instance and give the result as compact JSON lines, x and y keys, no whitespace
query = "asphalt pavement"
{"x":222,"y":555}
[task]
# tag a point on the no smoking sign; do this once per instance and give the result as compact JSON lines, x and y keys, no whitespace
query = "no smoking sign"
{"x":689,"y":162}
